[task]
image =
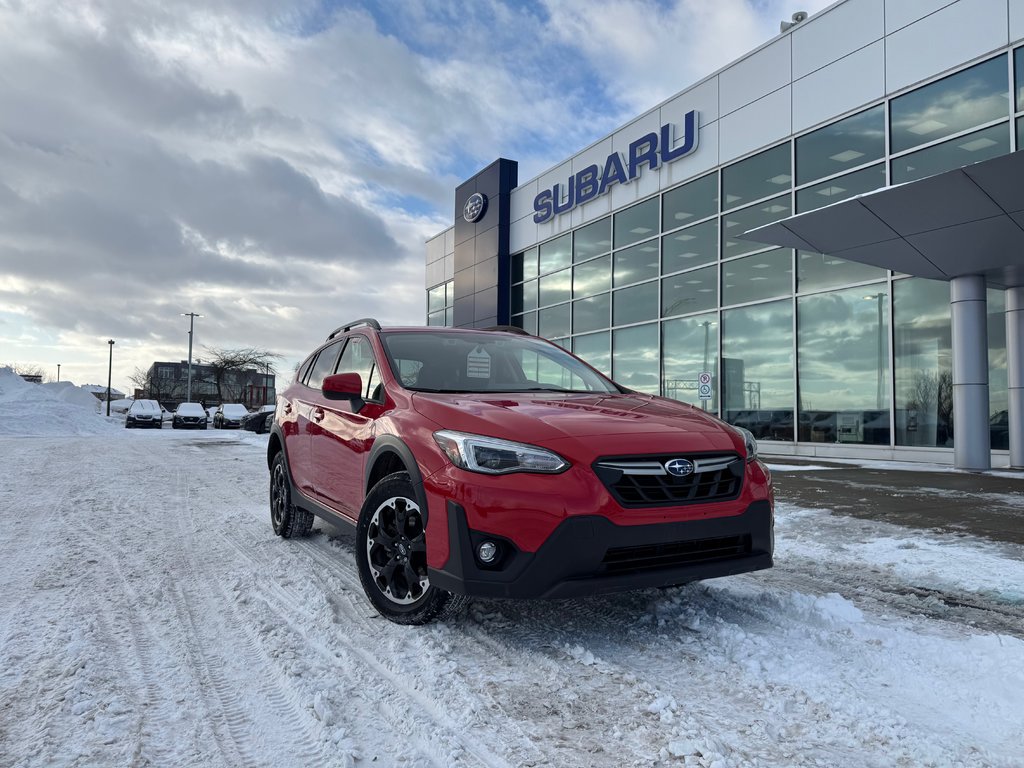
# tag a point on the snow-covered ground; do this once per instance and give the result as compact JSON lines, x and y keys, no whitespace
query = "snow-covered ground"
{"x":149,"y":616}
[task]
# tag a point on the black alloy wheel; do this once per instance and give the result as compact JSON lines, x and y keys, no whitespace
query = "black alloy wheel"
{"x":391,"y":553}
{"x":287,"y":519}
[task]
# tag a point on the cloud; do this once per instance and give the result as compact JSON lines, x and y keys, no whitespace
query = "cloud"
{"x":277,"y":167}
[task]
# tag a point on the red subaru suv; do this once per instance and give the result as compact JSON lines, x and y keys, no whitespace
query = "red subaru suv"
{"x":494,"y":463}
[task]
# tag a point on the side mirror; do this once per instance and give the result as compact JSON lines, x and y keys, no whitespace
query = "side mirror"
{"x":343,"y":386}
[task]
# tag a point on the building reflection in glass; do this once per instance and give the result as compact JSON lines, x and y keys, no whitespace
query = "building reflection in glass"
{"x":843,"y":364}
{"x":998,"y":392}
{"x":757,"y":369}
{"x":690,"y":347}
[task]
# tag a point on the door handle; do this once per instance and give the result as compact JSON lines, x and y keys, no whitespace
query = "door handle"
{"x":318,"y":414}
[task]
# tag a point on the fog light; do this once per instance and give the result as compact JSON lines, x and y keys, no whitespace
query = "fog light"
{"x":487,"y":552}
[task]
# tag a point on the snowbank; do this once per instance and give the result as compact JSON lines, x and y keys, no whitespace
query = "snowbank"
{"x":49,"y":410}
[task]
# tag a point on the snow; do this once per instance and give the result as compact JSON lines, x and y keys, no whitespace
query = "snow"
{"x":48,"y":409}
{"x":148,"y":615}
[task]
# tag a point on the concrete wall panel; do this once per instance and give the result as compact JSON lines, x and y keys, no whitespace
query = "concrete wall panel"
{"x":840,"y":31}
{"x":816,"y":98}
{"x":756,"y":76}
{"x":756,"y":125}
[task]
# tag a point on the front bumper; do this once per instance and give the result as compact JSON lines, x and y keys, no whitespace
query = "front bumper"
{"x":589,"y":554}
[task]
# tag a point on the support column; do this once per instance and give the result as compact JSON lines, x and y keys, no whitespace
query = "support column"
{"x":1015,"y":372}
{"x":971,"y":441}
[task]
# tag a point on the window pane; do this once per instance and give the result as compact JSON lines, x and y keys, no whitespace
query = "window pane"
{"x":688,"y":292}
{"x":738,"y":222}
{"x":553,"y":322}
{"x":591,"y":314}
{"x":524,"y":297}
{"x":556,"y":254}
{"x":635,"y":358}
{"x":636,"y":304}
{"x":449,"y":317}
{"x":761,"y":276}
{"x":972,"y":148}
{"x":690,"y":202}
{"x":841,"y":188}
{"x":1020,"y":133}
{"x":690,"y":347}
{"x":524,"y":265}
{"x":757,"y":369}
{"x":555,"y":287}
{"x":436,"y":318}
{"x":998,"y":398}
{"x":816,"y":271}
{"x":449,"y":293}
{"x":689,"y":247}
{"x":759,"y":176}
{"x":592,"y":239}
{"x":527,"y":322}
{"x":1018,"y":67}
{"x":636,"y":223}
{"x":435,"y":299}
{"x":595,"y":349}
{"x":843,"y":360}
{"x":592,"y":277}
{"x":924,"y":378}
{"x":976,"y":95}
{"x":851,"y":142}
{"x":637,"y":263}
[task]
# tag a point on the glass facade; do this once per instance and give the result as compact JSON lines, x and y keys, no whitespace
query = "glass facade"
{"x":440,"y":301}
{"x":800,"y":346}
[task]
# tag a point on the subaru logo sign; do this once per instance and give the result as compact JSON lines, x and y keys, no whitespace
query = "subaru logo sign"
{"x":679,"y":467}
{"x":475,"y":208}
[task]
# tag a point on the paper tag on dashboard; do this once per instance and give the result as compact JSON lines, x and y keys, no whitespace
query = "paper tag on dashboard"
{"x":478,"y":364}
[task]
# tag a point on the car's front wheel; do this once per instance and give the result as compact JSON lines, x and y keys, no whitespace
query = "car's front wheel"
{"x":391,"y":553}
{"x":287,"y":519}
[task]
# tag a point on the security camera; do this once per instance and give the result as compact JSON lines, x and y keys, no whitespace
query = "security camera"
{"x":797,"y":18}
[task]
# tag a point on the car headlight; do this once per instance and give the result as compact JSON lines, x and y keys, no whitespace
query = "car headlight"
{"x":749,"y":441}
{"x":492,"y":456}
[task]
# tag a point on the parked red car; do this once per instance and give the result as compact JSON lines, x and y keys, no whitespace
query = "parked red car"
{"x":494,"y":463}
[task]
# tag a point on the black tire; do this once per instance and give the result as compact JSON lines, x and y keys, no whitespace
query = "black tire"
{"x":288,"y":520}
{"x":391,"y":555}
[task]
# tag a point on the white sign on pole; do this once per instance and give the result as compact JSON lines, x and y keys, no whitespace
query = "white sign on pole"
{"x":704,"y":385}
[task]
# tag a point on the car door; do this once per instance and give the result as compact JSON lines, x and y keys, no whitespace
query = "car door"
{"x":344,"y":433}
{"x":302,"y":407}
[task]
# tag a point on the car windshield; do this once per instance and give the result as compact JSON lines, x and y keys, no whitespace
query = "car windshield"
{"x":235,"y":411}
{"x":190,"y":409}
{"x":444,"y":361}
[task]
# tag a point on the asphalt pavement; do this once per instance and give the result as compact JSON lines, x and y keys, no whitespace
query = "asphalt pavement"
{"x":985,"y":504}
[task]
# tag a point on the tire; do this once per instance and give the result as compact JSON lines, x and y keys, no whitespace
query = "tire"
{"x":391,"y":555}
{"x":288,"y":520}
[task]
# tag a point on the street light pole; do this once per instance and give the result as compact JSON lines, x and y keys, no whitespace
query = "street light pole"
{"x":191,"y":327}
{"x":110,"y":370}
{"x":58,"y":373}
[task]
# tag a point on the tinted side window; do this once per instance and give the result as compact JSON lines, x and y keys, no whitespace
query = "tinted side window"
{"x":324,"y":365}
{"x":304,"y":368}
{"x":358,"y":358}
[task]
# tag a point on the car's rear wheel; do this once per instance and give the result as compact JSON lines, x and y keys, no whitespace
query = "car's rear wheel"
{"x":288,"y":520}
{"x":391,"y":553}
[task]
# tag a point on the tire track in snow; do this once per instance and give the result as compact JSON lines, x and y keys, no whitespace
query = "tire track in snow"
{"x":400,"y":703}
{"x":235,"y":713}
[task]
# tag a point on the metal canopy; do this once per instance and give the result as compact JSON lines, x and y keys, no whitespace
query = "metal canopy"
{"x":969,"y":221}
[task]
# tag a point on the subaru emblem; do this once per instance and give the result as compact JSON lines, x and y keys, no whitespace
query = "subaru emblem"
{"x":679,"y":467}
{"x":475,"y":207}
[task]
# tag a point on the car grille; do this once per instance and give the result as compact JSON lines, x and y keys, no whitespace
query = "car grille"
{"x":675,"y":553}
{"x":642,"y":481}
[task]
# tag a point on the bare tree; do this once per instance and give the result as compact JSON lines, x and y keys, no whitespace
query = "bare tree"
{"x":26,"y":369}
{"x":235,"y":369}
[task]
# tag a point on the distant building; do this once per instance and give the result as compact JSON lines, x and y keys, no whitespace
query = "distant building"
{"x":32,"y":378}
{"x":167,"y":382}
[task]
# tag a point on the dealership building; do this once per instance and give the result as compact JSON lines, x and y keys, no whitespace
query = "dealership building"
{"x":822,"y":242}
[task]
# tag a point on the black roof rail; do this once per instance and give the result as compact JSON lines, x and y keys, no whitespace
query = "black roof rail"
{"x":508,"y":329}
{"x":349,"y":326}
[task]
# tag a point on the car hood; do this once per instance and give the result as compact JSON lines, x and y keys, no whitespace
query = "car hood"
{"x":631,"y":423}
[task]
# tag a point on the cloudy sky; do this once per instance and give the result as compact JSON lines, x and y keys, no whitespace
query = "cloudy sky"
{"x":276,"y":165}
